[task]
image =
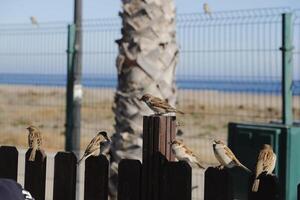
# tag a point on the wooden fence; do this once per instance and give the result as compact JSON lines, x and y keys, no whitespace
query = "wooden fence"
{"x":158,"y":178}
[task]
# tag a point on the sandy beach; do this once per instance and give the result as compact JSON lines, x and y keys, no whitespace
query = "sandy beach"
{"x":207,"y":114}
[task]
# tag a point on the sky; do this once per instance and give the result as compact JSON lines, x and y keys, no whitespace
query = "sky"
{"x":19,"y":11}
{"x":45,"y":53}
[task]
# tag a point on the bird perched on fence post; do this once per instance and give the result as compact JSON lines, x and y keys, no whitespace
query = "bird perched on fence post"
{"x":226,"y":157}
{"x":158,"y":106}
{"x":183,"y":153}
{"x":97,"y":145}
{"x":34,"y":141}
{"x":266,"y":162}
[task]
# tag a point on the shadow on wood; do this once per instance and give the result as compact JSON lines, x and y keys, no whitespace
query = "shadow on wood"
{"x":35,"y":174}
{"x":269,"y":188}
{"x":130,"y":177}
{"x":96,"y":178}
{"x":65,"y":176}
{"x":177,"y":181}
{"x":217,"y":184}
{"x":9,"y":162}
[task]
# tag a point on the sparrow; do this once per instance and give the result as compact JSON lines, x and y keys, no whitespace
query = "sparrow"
{"x":97,"y":146}
{"x":206,"y":9}
{"x":158,"y":105}
{"x":34,"y":141}
{"x":183,"y":153}
{"x":34,"y":21}
{"x":226,"y":157}
{"x":266,"y":162}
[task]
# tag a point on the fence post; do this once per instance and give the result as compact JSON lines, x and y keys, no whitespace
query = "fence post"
{"x":65,"y":166}
{"x":177,"y":181}
{"x":70,"y":88}
{"x":96,"y":178}
{"x":130,"y":176}
{"x":269,"y":188}
{"x":35,"y":174}
{"x":287,"y":68}
{"x":158,"y":132}
{"x":9,"y":162}
{"x":217,"y":184}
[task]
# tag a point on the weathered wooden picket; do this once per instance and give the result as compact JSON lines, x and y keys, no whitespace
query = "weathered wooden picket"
{"x":158,"y":178}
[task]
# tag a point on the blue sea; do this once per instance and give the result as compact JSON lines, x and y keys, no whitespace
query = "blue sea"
{"x":110,"y":81}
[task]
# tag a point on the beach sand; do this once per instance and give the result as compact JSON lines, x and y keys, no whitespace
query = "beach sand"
{"x":207,"y":114}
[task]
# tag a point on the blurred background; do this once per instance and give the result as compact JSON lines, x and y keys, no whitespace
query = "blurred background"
{"x":229,"y":68}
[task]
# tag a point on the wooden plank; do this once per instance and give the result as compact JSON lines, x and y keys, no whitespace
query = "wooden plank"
{"x":217,"y":184}
{"x":9,"y":162}
{"x":172,"y":137}
{"x":96,"y":178}
{"x":177,"y":181}
{"x":150,"y":153}
{"x":130,"y":177}
{"x":35,"y":174}
{"x":155,"y":161}
{"x":269,"y":188}
{"x":65,"y":167}
{"x":145,"y":158}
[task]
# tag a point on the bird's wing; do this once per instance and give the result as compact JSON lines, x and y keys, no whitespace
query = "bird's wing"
{"x":230,"y":154}
{"x":269,"y":162}
{"x":160,"y":103}
{"x":190,"y":152}
{"x":93,"y":145}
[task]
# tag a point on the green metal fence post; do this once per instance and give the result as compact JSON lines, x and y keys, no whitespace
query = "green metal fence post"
{"x":70,"y":87}
{"x":287,"y":76}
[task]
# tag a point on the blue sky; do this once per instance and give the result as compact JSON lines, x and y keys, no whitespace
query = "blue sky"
{"x":19,"y":11}
{"x":42,"y":48}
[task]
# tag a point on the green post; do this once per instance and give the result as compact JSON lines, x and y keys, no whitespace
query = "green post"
{"x":287,"y":67}
{"x":70,"y":87}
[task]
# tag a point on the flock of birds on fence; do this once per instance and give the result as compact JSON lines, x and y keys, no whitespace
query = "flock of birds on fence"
{"x":265,"y":163}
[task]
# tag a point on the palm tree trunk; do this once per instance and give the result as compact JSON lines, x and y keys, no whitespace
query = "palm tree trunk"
{"x":146,"y":63}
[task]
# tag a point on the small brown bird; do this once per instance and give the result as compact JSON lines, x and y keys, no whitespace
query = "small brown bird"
{"x":158,"y":105}
{"x":34,"y":141}
{"x":34,"y":21}
{"x":97,"y":146}
{"x":183,"y":153}
{"x":266,"y":162}
{"x":206,"y":9}
{"x":226,"y":157}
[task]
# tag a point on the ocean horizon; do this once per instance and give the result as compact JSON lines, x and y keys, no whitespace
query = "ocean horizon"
{"x":237,"y":84}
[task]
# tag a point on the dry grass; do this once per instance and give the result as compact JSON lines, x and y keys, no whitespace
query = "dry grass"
{"x":208,"y":114}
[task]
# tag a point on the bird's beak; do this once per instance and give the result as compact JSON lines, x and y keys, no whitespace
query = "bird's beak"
{"x":107,"y":139}
{"x":27,"y":128}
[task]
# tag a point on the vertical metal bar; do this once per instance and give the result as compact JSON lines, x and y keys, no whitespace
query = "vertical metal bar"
{"x":287,"y":76}
{"x":70,"y":92}
{"x":77,"y":97}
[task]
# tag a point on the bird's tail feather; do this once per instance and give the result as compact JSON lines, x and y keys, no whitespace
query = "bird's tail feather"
{"x":32,"y":154}
{"x":245,"y":168}
{"x":255,"y":185}
{"x":200,"y":166}
{"x":80,"y":160}
{"x":178,"y":111}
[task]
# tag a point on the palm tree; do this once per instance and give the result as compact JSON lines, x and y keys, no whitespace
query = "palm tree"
{"x":146,"y":63}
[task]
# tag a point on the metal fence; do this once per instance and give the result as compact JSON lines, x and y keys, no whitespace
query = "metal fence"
{"x":229,"y":70}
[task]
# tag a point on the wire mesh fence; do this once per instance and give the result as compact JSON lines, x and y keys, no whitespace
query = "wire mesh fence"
{"x":32,"y":76}
{"x":229,"y":70}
